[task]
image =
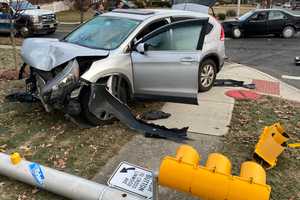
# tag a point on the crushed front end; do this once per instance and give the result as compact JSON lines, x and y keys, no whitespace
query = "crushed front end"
{"x":58,"y":88}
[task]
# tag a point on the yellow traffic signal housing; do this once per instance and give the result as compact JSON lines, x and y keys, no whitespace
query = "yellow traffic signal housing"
{"x":214,"y":180}
{"x":271,"y":144}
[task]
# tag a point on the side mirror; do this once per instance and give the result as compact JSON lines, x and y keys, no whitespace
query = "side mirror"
{"x":141,"y":48}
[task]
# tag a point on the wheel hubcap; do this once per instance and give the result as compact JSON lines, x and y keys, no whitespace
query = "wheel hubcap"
{"x":207,"y":75}
{"x":288,"y":32}
{"x":237,"y":32}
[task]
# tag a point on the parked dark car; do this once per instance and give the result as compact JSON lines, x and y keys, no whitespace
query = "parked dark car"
{"x":263,"y":22}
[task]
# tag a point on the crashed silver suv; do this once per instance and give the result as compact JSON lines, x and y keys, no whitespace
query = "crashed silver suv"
{"x":167,"y":55}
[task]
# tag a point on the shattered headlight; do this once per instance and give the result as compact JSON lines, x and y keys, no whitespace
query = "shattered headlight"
{"x":64,"y":82}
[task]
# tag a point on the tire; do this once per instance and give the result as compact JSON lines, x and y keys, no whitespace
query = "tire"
{"x":207,"y":75}
{"x":236,"y":33}
{"x":288,"y":32}
{"x":106,"y":117}
{"x":24,"y":32}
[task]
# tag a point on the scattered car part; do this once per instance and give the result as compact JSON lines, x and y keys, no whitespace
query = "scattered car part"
{"x":297,"y":60}
{"x":233,"y":83}
{"x":214,"y":180}
{"x":153,"y":115}
{"x":271,"y":144}
{"x":100,"y":98}
{"x":22,"y":97}
{"x":61,"y":183}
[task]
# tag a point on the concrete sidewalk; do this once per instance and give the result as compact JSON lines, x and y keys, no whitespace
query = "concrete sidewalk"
{"x":207,"y":122}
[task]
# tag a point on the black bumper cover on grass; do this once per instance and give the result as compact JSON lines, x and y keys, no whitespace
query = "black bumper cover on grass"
{"x":100,"y":98}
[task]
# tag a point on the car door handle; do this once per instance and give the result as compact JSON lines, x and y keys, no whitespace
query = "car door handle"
{"x":188,"y":59}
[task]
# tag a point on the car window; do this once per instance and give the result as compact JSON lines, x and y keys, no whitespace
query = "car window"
{"x":209,"y":26}
{"x":151,"y":27}
{"x":103,"y":32}
{"x":275,"y":15}
{"x":176,"y":39}
{"x":259,"y":16}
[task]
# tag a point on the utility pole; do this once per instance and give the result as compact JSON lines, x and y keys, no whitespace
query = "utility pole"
{"x":238,"y":8}
{"x":81,"y":11}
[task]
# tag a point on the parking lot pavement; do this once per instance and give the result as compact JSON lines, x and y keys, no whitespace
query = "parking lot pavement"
{"x":274,"y":56}
{"x":148,"y":152}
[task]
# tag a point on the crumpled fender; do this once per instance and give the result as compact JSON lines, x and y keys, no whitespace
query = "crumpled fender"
{"x":101,"y":98}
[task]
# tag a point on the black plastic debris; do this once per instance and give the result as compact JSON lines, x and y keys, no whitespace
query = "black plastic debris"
{"x":154,"y":115}
{"x":21,"y":97}
{"x":233,"y":83}
{"x":101,"y":100}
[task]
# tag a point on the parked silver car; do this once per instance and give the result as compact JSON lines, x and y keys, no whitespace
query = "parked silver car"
{"x":165,"y":54}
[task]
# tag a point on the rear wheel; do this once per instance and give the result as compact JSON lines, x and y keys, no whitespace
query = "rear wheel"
{"x":207,"y":75}
{"x":120,"y":92}
{"x":288,"y":32}
{"x":236,"y":33}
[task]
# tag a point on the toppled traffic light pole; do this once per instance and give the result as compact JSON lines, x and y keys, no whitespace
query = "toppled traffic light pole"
{"x":63,"y":184}
{"x":182,"y":172}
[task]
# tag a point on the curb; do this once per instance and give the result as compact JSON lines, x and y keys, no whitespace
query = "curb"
{"x":282,"y":83}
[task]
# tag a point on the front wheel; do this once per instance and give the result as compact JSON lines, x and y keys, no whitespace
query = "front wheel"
{"x":288,"y":32}
{"x":207,"y":75}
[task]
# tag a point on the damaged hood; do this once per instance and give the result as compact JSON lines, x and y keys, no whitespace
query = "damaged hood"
{"x":46,"y":54}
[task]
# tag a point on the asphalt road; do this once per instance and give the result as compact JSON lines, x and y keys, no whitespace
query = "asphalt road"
{"x":274,"y":56}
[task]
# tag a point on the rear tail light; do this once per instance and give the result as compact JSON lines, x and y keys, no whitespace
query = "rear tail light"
{"x":222,"y":35}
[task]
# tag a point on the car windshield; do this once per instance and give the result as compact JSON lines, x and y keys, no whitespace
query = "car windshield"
{"x":103,"y":32}
{"x":22,"y":5}
{"x":246,"y":15}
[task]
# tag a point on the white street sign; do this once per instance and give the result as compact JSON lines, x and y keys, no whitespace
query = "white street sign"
{"x":132,"y":179}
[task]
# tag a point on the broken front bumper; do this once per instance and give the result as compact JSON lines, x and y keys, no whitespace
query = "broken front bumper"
{"x":102,"y":101}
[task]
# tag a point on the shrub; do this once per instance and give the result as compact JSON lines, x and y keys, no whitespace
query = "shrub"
{"x":231,"y":13}
{"x":221,"y":16}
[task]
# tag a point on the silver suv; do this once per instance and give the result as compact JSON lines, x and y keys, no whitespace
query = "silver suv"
{"x":165,"y":54}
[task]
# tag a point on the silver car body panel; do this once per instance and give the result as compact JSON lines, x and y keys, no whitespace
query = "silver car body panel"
{"x":46,"y":54}
{"x":119,"y":61}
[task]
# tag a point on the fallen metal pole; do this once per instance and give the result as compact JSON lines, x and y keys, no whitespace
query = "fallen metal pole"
{"x":63,"y":184}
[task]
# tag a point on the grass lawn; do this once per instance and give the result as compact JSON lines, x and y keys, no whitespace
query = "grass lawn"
{"x":6,"y":59}
{"x":5,"y":40}
{"x":73,"y":15}
{"x":248,"y":120}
